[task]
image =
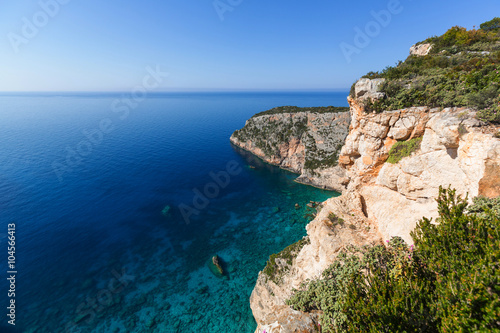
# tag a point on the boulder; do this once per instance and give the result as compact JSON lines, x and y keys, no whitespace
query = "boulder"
{"x":367,"y":88}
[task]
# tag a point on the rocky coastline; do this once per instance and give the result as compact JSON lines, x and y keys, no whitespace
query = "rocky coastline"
{"x":381,"y":197}
{"x":307,"y":143}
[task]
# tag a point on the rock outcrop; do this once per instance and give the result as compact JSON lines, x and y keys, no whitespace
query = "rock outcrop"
{"x":382,"y":199}
{"x":421,"y":49}
{"x":366,"y":89}
{"x":456,"y":150}
{"x":307,"y":143}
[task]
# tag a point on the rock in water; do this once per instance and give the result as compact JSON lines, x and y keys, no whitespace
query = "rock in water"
{"x":215,"y":261}
{"x":215,"y":266}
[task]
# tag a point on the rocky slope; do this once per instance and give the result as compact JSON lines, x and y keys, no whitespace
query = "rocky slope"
{"x":305,"y":141}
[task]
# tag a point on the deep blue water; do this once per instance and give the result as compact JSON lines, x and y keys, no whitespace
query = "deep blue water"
{"x":88,"y":210}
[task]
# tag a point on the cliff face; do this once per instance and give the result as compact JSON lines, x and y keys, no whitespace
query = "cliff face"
{"x":456,"y":150}
{"x":307,"y":143}
{"x":382,"y":199}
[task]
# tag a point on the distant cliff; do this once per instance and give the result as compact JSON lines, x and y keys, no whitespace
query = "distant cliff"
{"x":306,"y":141}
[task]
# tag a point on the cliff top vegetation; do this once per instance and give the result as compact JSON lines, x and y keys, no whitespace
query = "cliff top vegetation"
{"x":296,"y":109}
{"x":462,"y":69}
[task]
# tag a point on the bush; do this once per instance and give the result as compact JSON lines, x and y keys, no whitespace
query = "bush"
{"x":393,"y":296}
{"x":484,"y":206}
{"x":335,"y":219}
{"x":274,"y":270}
{"x":403,"y":149}
{"x":328,"y":293}
{"x":450,"y":281}
{"x":349,"y":304}
{"x":463,"y":253}
{"x":493,"y":25}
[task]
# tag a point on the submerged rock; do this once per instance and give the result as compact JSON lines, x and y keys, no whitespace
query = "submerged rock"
{"x":215,"y":265}
{"x":202,"y":290}
{"x":166,"y":210}
{"x":215,"y":261}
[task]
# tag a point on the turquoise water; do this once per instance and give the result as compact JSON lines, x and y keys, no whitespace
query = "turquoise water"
{"x":112,"y":234}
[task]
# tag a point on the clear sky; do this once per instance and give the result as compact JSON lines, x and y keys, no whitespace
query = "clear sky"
{"x":106,"y":45}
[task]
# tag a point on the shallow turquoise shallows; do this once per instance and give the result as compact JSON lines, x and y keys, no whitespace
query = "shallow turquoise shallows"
{"x":120,"y":206}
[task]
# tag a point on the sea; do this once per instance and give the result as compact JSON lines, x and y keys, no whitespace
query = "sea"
{"x":112,"y":208}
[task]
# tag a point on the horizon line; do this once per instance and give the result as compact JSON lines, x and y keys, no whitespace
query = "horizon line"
{"x":170,"y":91}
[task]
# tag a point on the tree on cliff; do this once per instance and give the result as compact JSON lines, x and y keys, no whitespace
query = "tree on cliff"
{"x":492,"y":25}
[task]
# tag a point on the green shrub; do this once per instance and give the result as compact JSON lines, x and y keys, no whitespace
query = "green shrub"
{"x":325,"y":161}
{"x":463,"y":252}
{"x":485,"y":206}
{"x":393,"y":294}
{"x":493,"y":25}
{"x":403,"y":149}
{"x":327,"y":294}
{"x":349,"y":304}
{"x":372,"y":75}
{"x":275,"y":271}
{"x":335,"y":219}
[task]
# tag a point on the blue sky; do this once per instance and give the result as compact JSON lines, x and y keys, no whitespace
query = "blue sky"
{"x":91,"y":45}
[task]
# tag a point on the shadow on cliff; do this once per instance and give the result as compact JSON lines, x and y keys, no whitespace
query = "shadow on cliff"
{"x":254,"y":162}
